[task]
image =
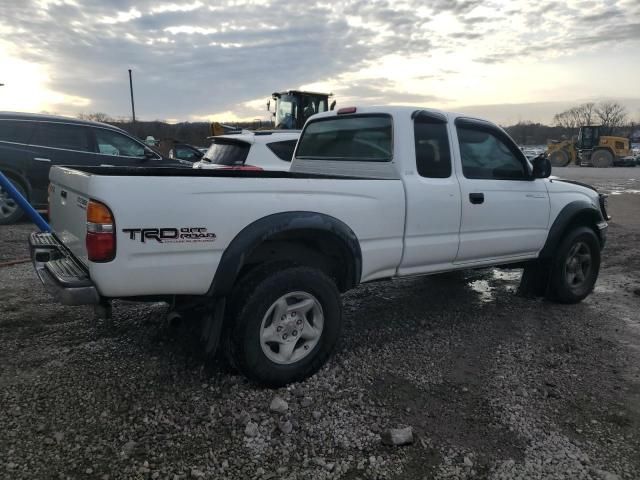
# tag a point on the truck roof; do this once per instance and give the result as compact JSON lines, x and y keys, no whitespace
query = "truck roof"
{"x":399,"y":110}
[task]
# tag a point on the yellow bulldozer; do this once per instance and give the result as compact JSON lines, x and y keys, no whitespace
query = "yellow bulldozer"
{"x":591,"y":150}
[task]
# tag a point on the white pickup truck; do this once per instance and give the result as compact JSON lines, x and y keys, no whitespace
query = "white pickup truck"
{"x":373,"y":193}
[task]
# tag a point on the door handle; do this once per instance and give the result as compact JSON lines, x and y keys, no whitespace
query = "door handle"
{"x":536,"y":195}
{"x":476,"y":198}
{"x":41,"y":159}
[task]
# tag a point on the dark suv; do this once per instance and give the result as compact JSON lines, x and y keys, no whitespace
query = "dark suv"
{"x":30,"y":144}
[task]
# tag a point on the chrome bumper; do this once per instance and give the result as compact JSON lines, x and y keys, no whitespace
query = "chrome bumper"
{"x":61,"y":274}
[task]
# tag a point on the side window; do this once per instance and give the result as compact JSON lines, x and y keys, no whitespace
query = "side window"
{"x":283,"y":150}
{"x":62,"y":135}
{"x":15,"y":131}
{"x":486,"y":156}
{"x":116,"y":144}
{"x":433,"y":157}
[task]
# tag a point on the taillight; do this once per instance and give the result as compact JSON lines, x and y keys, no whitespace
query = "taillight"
{"x":101,"y":232}
{"x":346,"y":110}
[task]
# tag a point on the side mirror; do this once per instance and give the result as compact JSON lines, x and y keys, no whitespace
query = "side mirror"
{"x":541,"y":166}
{"x":148,"y":155}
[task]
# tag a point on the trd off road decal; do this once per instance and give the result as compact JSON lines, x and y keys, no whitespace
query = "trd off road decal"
{"x":170,"y":235}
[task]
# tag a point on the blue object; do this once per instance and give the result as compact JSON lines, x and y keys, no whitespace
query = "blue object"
{"x":24,"y":204}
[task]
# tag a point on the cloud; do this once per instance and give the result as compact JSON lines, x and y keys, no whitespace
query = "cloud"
{"x":193,"y":57}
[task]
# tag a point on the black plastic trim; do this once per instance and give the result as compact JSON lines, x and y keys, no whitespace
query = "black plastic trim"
{"x":257,"y":232}
{"x":564,"y":219}
{"x":429,"y":116}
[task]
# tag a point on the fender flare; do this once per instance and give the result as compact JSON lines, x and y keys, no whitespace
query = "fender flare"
{"x":256,"y":233}
{"x":566,"y":216}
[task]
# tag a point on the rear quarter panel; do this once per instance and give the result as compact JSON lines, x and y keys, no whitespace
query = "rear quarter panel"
{"x":373,"y":209}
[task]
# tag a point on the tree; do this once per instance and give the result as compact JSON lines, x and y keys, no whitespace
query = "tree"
{"x":96,"y":117}
{"x":575,"y":117}
{"x":612,"y":116}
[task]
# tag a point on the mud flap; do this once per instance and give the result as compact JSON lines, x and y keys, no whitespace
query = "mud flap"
{"x":212,"y":321}
{"x":535,"y":279}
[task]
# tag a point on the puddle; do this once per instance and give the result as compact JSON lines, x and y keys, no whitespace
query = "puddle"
{"x":487,"y":292}
{"x":484,"y":290}
{"x":620,"y":192}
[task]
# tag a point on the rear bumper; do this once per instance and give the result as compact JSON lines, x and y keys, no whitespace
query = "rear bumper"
{"x":61,"y":274}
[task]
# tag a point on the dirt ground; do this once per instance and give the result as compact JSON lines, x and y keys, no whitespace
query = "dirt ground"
{"x":494,"y":385}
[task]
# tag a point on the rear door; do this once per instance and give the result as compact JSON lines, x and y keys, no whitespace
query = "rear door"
{"x":58,"y":143}
{"x":433,"y":199}
{"x":505,"y":213}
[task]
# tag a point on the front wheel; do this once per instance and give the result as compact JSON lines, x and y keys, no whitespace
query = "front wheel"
{"x":287,"y":327}
{"x":602,"y":159}
{"x":575,"y":266}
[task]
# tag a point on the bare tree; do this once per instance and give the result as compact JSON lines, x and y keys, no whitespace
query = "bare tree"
{"x":96,"y":117}
{"x":612,"y":115}
{"x":575,"y":117}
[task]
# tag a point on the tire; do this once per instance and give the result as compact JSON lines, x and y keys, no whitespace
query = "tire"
{"x":559,"y":158}
{"x":10,"y":212}
{"x":275,"y":350}
{"x":573,"y":275}
{"x":602,"y":159}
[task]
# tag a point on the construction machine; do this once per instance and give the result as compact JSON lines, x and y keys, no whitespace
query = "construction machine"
{"x":591,"y":149}
{"x":294,"y":107}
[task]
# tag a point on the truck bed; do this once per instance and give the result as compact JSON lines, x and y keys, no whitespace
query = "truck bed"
{"x":221,"y":203}
{"x":197,"y":172}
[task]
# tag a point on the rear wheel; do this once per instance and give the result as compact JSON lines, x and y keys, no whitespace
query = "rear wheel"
{"x":10,"y":212}
{"x":575,"y":266}
{"x":287,"y":326}
{"x":602,"y":159}
{"x":559,"y":158}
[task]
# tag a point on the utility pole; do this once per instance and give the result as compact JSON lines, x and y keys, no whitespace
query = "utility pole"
{"x":133,"y":108}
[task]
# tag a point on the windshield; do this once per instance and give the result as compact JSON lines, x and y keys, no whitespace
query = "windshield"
{"x":286,"y":112}
{"x":227,"y":152}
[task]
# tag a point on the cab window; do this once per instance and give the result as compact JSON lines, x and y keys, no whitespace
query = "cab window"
{"x":486,"y":156}
{"x":433,"y":158}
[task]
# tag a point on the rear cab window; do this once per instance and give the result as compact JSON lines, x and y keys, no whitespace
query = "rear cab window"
{"x":364,"y":137}
{"x":229,"y":152}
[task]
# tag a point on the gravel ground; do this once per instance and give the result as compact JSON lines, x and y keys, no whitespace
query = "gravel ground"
{"x":493,"y":385}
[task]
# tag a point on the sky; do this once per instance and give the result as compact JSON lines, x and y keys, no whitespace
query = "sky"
{"x":194,"y":60}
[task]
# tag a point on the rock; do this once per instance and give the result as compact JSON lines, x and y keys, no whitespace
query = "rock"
{"x":58,"y":436}
{"x":244,"y":418}
{"x":225,"y":464}
{"x":196,"y":473}
{"x":251,"y":430}
{"x":129,"y":447}
{"x":306,"y":402}
{"x":286,"y":427}
{"x":604,"y":475}
{"x":316,"y":415}
{"x":467,"y":462}
{"x":260,"y":471}
{"x":11,"y":466}
{"x":278,"y":405}
{"x":89,"y":471}
{"x":397,"y":436}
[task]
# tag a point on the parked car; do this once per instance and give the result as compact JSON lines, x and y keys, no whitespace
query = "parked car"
{"x":184,"y":151}
{"x":262,"y":257}
{"x":30,"y":144}
{"x":259,"y":150}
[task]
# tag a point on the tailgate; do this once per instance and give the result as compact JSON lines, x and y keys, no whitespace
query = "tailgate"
{"x":68,"y":208}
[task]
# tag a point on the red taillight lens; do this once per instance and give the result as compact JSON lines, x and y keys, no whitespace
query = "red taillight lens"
{"x":101,"y":233}
{"x":346,"y":110}
{"x":101,"y":247}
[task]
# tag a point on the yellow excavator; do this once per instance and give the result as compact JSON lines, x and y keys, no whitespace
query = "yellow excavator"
{"x":591,"y":150}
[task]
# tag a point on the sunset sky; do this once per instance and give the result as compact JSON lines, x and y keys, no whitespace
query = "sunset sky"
{"x":203,"y":60}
